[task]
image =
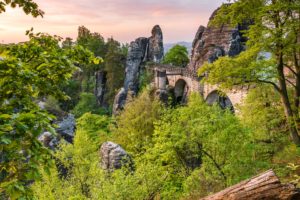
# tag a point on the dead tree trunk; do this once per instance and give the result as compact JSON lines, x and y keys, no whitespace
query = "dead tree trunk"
{"x":264,"y":186}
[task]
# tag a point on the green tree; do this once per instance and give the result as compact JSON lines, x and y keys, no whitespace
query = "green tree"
{"x":202,"y":137}
{"x":178,"y":56}
{"x":135,"y":124}
{"x":115,"y":59}
{"x":262,"y":112}
{"x":29,"y":7}
{"x":31,"y":71}
{"x":96,"y":44}
{"x":87,"y":103}
{"x":67,"y":43}
{"x":274,"y":28}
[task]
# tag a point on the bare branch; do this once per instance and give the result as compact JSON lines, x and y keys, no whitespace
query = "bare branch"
{"x":272,"y":83}
{"x":291,"y":69}
{"x":291,"y":83}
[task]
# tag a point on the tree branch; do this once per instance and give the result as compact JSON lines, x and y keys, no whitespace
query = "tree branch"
{"x":215,"y":163}
{"x":291,"y":69}
{"x":272,"y":83}
{"x":291,"y":83}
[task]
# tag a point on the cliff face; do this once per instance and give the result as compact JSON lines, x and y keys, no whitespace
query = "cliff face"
{"x":213,"y":42}
{"x":135,"y":58}
{"x":140,"y":51}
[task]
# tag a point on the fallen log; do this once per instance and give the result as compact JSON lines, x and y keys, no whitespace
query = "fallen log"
{"x":265,"y":186}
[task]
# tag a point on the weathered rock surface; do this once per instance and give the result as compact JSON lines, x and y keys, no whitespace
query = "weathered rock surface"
{"x":136,"y":54}
{"x":212,"y":42}
{"x":100,"y":86}
{"x":48,"y":140}
{"x":120,"y":100}
{"x":66,"y":128}
{"x":156,"y":47}
{"x":113,"y":156}
{"x":140,"y":51}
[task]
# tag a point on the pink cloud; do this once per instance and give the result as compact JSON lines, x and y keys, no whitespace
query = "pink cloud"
{"x":123,"y":19}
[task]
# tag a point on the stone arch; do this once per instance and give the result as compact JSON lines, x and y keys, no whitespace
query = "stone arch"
{"x":181,"y":91}
{"x":221,"y":99}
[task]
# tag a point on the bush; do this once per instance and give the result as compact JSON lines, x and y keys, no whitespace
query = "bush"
{"x":135,"y":124}
{"x":52,"y":106}
{"x":87,"y":103}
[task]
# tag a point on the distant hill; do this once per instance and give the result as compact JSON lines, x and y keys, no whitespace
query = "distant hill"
{"x":188,"y":45}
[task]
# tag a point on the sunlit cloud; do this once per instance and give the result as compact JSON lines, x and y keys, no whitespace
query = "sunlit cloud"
{"x":125,"y":20}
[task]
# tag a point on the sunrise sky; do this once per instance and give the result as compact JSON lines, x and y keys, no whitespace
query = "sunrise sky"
{"x":125,"y":20}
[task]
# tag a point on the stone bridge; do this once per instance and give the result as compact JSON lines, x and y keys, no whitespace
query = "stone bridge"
{"x":183,"y":81}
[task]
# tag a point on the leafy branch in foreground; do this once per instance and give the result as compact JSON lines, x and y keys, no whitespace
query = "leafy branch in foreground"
{"x":28,"y":6}
{"x":31,"y":71}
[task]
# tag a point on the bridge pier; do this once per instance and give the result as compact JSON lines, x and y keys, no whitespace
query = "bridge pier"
{"x":161,"y":84}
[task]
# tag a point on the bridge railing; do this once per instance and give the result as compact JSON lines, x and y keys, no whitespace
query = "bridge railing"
{"x":173,"y":70}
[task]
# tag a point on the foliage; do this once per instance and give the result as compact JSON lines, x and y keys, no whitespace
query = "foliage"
{"x":115,"y":67}
{"x":146,"y":76}
{"x":52,"y":106}
{"x":263,"y":113}
{"x":96,"y":44}
{"x":135,"y":124}
{"x":87,"y":103}
{"x":85,"y":179}
{"x":274,"y":28}
{"x":31,"y":70}
{"x":199,"y":135}
{"x":29,"y":7}
{"x":177,"y":55}
{"x":72,"y":89}
{"x":194,"y":150}
{"x":96,"y":127}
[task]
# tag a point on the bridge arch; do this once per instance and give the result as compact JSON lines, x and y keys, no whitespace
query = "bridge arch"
{"x":181,"y":91}
{"x":220,"y":98}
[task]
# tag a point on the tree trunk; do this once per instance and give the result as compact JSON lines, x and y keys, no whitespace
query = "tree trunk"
{"x":264,"y":186}
{"x":286,"y":102}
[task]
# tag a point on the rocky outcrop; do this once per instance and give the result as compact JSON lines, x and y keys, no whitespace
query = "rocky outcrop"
{"x":136,"y":54}
{"x":140,"y":51}
{"x":49,"y":140}
{"x":66,"y":128}
{"x":100,"y":86}
{"x":156,"y":46}
{"x":113,"y":156}
{"x":212,"y":42}
{"x":120,"y":100}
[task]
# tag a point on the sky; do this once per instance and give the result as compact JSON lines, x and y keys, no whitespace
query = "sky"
{"x":124,"y":20}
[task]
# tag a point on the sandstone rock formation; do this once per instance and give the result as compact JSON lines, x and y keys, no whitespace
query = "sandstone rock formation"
{"x":140,"y":51}
{"x":156,"y":47}
{"x":65,"y":130}
{"x":136,"y":56}
{"x":113,"y":156}
{"x":100,"y":86}
{"x":212,"y":42}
